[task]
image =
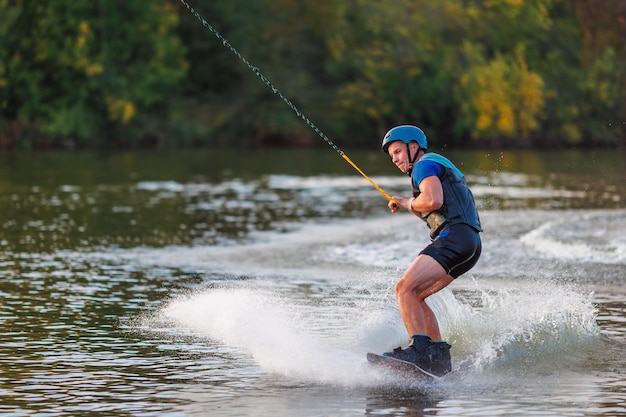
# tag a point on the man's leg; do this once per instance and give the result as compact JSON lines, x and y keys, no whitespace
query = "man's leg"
{"x":424,"y":277}
{"x":430,"y":320}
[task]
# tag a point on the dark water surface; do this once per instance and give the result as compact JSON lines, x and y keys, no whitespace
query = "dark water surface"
{"x":252,"y":283}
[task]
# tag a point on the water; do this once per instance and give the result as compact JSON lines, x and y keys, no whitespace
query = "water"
{"x":252,"y":283}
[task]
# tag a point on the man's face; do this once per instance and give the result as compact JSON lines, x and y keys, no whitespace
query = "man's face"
{"x":399,"y":155}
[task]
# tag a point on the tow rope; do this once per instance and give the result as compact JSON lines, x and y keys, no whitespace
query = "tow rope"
{"x":285,"y":99}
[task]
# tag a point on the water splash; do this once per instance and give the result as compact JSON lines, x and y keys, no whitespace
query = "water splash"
{"x":270,"y":329}
{"x":537,"y":324}
{"x":530,"y":327}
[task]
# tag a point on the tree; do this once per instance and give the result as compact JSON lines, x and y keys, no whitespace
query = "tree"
{"x":285,"y":40}
{"x":87,"y":71}
{"x":458,"y":69}
{"x":396,"y":67}
{"x":500,"y":98}
{"x":502,"y":72}
{"x":602,"y":84}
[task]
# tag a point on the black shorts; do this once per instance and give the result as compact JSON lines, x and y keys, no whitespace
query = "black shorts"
{"x":457,"y":251}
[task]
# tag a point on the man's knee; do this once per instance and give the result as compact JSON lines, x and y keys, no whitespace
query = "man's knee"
{"x":406,"y":287}
{"x":398,"y":289}
{"x":401,"y":288}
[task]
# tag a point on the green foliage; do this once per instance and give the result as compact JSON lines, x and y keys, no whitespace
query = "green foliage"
{"x":81,"y":71}
{"x":480,"y":72}
{"x":501,"y":97}
{"x":399,"y":70}
{"x":285,"y":40}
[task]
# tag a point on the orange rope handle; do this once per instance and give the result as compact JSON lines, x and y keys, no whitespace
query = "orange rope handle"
{"x":380,"y":190}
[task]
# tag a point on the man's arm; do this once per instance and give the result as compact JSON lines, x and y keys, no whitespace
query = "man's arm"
{"x":430,"y":198}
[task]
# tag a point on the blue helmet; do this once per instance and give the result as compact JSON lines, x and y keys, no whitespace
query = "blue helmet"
{"x":406,"y":134}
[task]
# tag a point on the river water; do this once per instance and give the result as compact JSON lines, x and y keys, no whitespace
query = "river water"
{"x":252,"y":283}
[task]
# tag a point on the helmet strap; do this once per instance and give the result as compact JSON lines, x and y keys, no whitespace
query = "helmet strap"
{"x":413,"y":159}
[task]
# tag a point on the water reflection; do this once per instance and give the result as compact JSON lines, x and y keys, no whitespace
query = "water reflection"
{"x":394,"y":402}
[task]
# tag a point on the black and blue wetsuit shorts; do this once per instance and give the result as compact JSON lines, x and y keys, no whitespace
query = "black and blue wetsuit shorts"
{"x":456,"y":249}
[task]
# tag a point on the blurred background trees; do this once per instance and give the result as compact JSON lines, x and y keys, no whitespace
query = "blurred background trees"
{"x":506,"y":73}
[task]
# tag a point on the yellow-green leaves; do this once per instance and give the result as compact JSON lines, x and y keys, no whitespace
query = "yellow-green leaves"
{"x":501,"y":97}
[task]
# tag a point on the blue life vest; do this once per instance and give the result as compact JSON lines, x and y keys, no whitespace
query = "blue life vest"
{"x":458,"y":201}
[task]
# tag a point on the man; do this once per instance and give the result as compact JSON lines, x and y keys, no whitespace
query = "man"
{"x":443,"y":200}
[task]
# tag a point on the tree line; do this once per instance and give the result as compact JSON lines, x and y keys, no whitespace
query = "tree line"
{"x":118,"y":74}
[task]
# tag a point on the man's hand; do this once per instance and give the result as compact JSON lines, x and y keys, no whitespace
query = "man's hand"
{"x":398,"y":203}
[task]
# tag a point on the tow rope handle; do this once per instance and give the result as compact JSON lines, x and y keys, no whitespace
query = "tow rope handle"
{"x":378,"y":188}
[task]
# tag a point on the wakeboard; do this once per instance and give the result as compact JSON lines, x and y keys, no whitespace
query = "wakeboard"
{"x":401,"y":368}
